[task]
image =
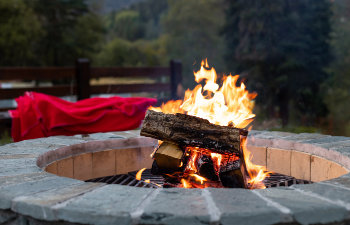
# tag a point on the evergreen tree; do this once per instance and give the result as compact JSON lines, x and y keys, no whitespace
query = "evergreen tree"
{"x":192,"y":30}
{"x":62,"y":21}
{"x":20,"y":31}
{"x":282,"y":48}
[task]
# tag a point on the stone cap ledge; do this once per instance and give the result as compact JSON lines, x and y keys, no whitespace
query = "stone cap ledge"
{"x":27,"y":193}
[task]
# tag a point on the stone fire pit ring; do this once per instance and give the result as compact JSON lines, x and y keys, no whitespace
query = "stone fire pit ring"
{"x":41,"y":183}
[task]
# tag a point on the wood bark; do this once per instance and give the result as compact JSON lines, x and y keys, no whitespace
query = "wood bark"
{"x":186,"y":130}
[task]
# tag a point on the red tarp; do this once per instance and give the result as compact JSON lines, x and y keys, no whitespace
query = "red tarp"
{"x":39,"y":115}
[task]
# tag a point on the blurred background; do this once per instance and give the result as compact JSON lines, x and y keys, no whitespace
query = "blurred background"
{"x":294,"y":53}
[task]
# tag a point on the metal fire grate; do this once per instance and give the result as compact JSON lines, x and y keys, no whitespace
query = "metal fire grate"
{"x":156,"y":181}
{"x":280,"y":180}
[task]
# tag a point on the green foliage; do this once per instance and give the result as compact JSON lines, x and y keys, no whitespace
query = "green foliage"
{"x":127,"y":25}
{"x":86,"y":40}
{"x":69,"y":27}
{"x":5,"y":137}
{"x":192,"y":28}
{"x":337,"y":87}
{"x":120,"y":52}
{"x":20,"y":31}
{"x":282,"y":48}
{"x":150,"y":12}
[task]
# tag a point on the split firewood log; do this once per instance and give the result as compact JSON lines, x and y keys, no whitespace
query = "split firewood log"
{"x":186,"y":130}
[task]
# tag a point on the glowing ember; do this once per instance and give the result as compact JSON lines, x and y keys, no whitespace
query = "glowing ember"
{"x":228,"y":105}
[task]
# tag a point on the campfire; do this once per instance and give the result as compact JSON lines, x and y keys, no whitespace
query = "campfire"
{"x":202,"y":139}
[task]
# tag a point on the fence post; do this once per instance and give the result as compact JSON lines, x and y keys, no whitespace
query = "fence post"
{"x":82,"y":77}
{"x":175,"y":77}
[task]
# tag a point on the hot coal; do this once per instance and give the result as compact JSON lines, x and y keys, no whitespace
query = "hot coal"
{"x":206,"y":168}
{"x":232,"y":179}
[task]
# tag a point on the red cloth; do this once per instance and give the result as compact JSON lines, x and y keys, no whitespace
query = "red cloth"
{"x":39,"y":115}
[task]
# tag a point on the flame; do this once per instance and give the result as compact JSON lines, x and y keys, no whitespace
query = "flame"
{"x":257,"y":173}
{"x":228,"y":105}
{"x":216,"y":160}
{"x":225,"y":105}
{"x":185,"y":184}
{"x":139,"y":174}
{"x":198,"y":178}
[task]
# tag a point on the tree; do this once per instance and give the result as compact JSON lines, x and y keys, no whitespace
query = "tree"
{"x":127,"y":25}
{"x":337,"y":87}
{"x":20,"y":31}
{"x":120,"y":52}
{"x":192,"y":30}
{"x":64,"y":21}
{"x":282,"y":48}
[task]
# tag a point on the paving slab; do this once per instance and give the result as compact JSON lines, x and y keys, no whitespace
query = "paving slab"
{"x":9,"y":192}
{"x":177,"y":206}
{"x":343,"y":181}
{"x":326,"y":140}
{"x":110,"y":204}
{"x":338,"y":195}
{"x":11,"y":167}
{"x":239,"y":206}
{"x":23,"y":178}
{"x":306,"y":209}
{"x":39,"y":205}
{"x":103,"y":136}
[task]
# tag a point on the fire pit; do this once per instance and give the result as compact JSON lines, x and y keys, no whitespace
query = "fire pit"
{"x":42,"y":182}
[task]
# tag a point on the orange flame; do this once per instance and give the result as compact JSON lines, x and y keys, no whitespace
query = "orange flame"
{"x":228,"y":105}
{"x":139,"y":174}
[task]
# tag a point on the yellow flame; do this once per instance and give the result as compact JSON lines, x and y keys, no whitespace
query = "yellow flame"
{"x":228,"y":105}
{"x":185,"y":184}
{"x":216,"y":160}
{"x":139,"y":174}
{"x":225,"y":105}
{"x":257,"y":173}
{"x":198,"y":178}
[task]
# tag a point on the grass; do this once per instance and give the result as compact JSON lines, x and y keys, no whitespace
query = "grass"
{"x":297,"y":129}
{"x":5,"y":138}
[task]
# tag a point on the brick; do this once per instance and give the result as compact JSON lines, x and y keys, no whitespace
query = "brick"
{"x":323,"y":169}
{"x":146,"y":155}
{"x":8,"y":193}
{"x":128,"y":160}
{"x":258,"y":155}
{"x":39,"y":205}
{"x":103,"y":163}
{"x":65,"y":167}
{"x":110,"y":204}
{"x":82,"y":166}
{"x":176,"y":206}
{"x":52,"y":168}
{"x":305,"y":209}
{"x":301,"y":165}
{"x":278,"y":160}
{"x":239,"y":206}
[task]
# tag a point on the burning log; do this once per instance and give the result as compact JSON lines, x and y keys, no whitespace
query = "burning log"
{"x":186,"y":130}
